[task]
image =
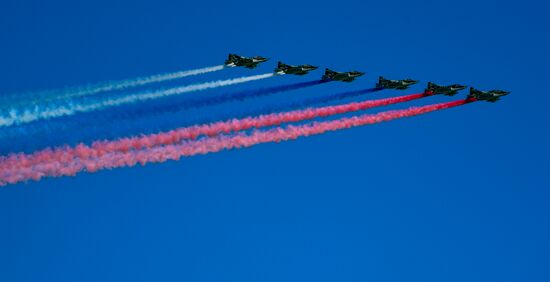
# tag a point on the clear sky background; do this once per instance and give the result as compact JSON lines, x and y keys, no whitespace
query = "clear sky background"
{"x":456,"y":195}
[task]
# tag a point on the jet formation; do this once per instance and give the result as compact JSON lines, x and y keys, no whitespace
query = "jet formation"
{"x":234,"y":60}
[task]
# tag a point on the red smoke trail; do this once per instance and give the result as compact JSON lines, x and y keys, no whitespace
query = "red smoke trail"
{"x":99,"y":148}
{"x":207,"y":145}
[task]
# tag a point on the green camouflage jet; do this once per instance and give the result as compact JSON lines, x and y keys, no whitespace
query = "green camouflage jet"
{"x":283,"y":68}
{"x":489,"y":96}
{"x":349,"y":76}
{"x":395,"y":84}
{"x":449,"y":90}
{"x":239,"y":61}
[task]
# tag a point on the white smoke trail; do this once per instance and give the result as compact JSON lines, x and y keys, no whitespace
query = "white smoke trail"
{"x":15,"y":117}
{"x":104,"y":87}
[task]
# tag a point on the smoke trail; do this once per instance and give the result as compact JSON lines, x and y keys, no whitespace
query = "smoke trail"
{"x":206,"y":145}
{"x":197,"y":103}
{"x":71,"y":108}
{"x":175,"y":136}
{"x":104,"y":87}
{"x":100,"y":125}
{"x":314,"y":101}
{"x":103,"y":118}
{"x":169,"y":123}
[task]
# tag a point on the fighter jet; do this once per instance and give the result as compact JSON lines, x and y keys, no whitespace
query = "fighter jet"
{"x":341,"y":76}
{"x":489,"y":96}
{"x":283,"y":68}
{"x":395,"y":84}
{"x":449,"y":90}
{"x":239,"y":61}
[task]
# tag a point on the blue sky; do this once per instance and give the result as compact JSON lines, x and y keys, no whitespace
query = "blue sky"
{"x":457,"y":195}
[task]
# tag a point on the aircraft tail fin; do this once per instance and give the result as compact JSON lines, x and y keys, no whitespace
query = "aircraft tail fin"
{"x":231,"y":59}
{"x":474,"y":93}
{"x":281,"y":68}
{"x":329,"y":72}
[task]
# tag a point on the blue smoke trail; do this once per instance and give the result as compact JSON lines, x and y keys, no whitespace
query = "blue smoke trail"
{"x":140,"y":111}
{"x":168,"y":122}
{"x":159,"y":123}
{"x":211,"y":101}
{"x":100,"y":123}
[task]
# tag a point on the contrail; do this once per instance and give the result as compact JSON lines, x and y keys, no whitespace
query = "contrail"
{"x":21,"y":99}
{"x":205,"y":145}
{"x":175,"y":136}
{"x":15,"y":117}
